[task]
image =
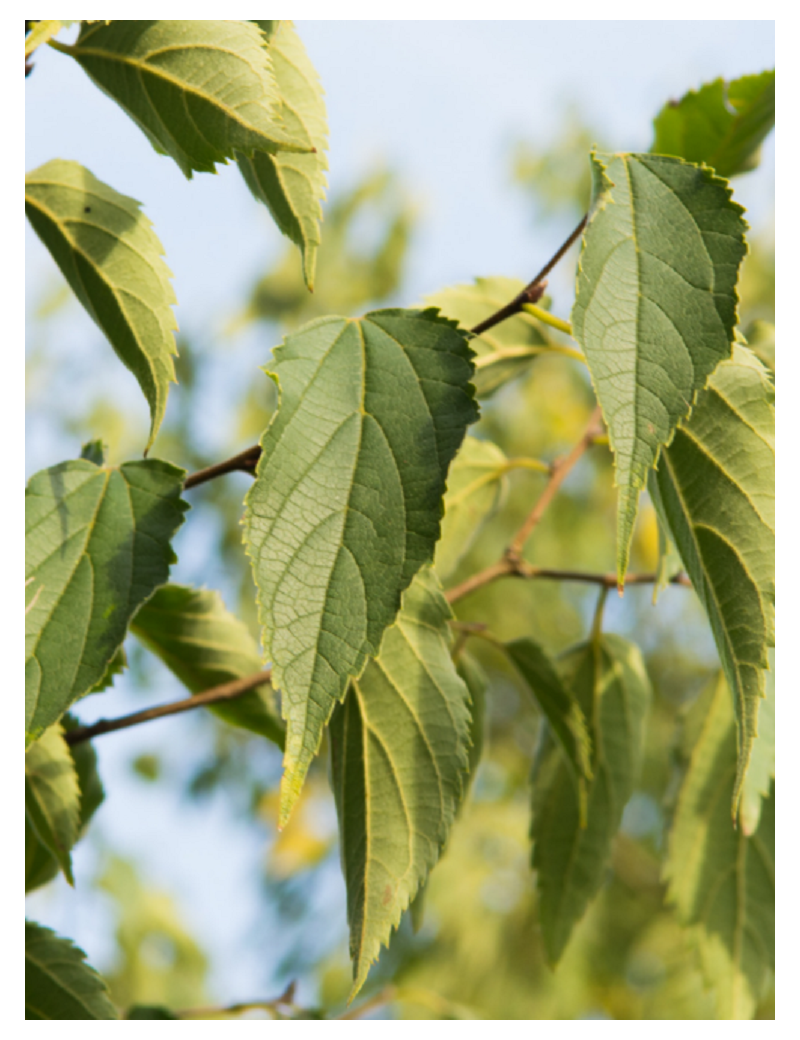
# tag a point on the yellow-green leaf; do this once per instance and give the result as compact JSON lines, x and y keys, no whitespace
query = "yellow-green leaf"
{"x":52,"y":796}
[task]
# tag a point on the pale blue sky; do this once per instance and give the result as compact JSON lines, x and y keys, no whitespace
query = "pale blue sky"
{"x":443,"y":102}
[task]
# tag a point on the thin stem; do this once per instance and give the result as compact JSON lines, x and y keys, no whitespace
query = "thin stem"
{"x":246,"y":461}
{"x":546,"y":318}
{"x":597,"y":620}
{"x":224,"y":692}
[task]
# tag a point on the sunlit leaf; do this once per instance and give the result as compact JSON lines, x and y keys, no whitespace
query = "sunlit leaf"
{"x":721,"y":881}
{"x":721,"y":124}
{"x":399,"y":755}
{"x":200,"y":90}
{"x":476,"y":485}
{"x":503,"y":352}
{"x":52,"y":796}
{"x":292,"y":184}
{"x":205,"y":645}
{"x":107,"y":250}
{"x":59,"y":984}
{"x":347,"y":500}
{"x":655,"y":306}
{"x":715,"y":488}
{"x":608,"y":679}
{"x":97,"y":543}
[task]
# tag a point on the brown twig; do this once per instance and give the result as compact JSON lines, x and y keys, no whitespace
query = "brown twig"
{"x":224,"y":692}
{"x":246,"y":461}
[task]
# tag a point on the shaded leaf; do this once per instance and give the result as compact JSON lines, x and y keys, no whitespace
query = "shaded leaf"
{"x":669,"y":562}
{"x":399,"y":755}
{"x":291,"y":184}
{"x":476,"y":487}
{"x":761,"y":770}
{"x":52,"y":797}
{"x":557,"y":702}
{"x":347,"y":500}
{"x":655,"y":306}
{"x":608,"y":679}
{"x":205,"y":645}
{"x":715,"y":488}
{"x":476,"y":682}
{"x":721,"y":881}
{"x":97,"y":542}
{"x":59,"y":984}
{"x":116,"y":666}
{"x":503,"y":352}
{"x":721,"y":124}
{"x":108,"y":252}
{"x":200,"y":90}
{"x":139,"y":1011}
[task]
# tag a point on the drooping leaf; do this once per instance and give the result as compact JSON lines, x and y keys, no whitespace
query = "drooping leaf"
{"x":715,"y":489}
{"x":721,"y":124}
{"x":399,"y":756}
{"x":97,"y":543}
{"x":205,"y":645}
{"x":200,"y":90}
{"x":655,"y":306}
{"x":40,"y":864}
{"x":721,"y":881}
{"x":556,"y":700}
{"x":293,"y":184}
{"x":503,"y":352}
{"x":52,"y":796}
{"x":610,"y":683}
{"x":59,"y":984}
{"x":347,"y":500}
{"x":108,"y":252}
{"x":476,"y":486}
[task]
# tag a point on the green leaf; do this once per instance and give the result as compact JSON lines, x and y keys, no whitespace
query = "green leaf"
{"x":721,"y":124}
{"x":205,"y":645}
{"x":97,"y":544}
{"x":116,"y":666}
{"x":59,"y":984}
{"x":721,"y":881}
{"x":655,"y":306}
{"x":608,"y":679}
{"x":476,"y":487}
{"x":476,"y":682}
{"x":200,"y":90}
{"x":503,"y":352}
{"x":761,"y":770}
{"x":669,"y":562}
{"x":95,"y":451}
{"x":139,"y":1011}
{"x":112,"y":259}
{"x":399,"y":755}
{"x":52,"y":796}
{"x":40,"y":865}
{"x":559,"y":704}
{"x":293,"y":185}
{"x":347,"y":500}
{"x":715,"y":489}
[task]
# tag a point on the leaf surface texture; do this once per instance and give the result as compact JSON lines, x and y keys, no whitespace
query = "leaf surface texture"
{"x":59,"y":984}
{"x":52,"y":796}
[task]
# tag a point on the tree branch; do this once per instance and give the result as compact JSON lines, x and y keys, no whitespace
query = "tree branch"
{"x":246,"y":461}
{"x":225,"y":692}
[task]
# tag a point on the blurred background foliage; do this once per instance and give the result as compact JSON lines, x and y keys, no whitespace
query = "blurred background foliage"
{"x":478,"y":952}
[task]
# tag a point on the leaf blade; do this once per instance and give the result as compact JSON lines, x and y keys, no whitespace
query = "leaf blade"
{"x":111,"y":258}
{"x":347,"y":498}
{"x":59,"y":984}
{"x":655,"y":305}
{"x":52,"y":797}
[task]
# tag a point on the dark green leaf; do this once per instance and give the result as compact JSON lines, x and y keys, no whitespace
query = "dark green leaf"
{"x":149,"y":1011}
{"x":347,"y":500}
{"x":205,"y":645}
{"x":59,"y":984}
{"x":52,"y":796}
{"x":97,"y":544}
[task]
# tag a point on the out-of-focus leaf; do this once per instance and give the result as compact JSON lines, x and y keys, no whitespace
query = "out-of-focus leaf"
{"x":761,"y":770}
{"x":476,"y":682}
{"x":721,"y":124}
{"x":292,"y":184}
{"x":108,"y":252}
{"x":200,"y":90}
{"x":59,"y":984}
{"x":347,"y":500}
{"x":608,"y":679}
{"x":655,"y":306}
{"x":721,"y":880}
{"x":399,"y":757}
{"x":715,"y":488}
{"x":669,"y":562}
{"x":503,"y":352}
{"x":205,"y":645}
{"x":52,"y":796}
{"x":140,"y":1011}
{"x":476,"y":486}
{"x":97,"y":543}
